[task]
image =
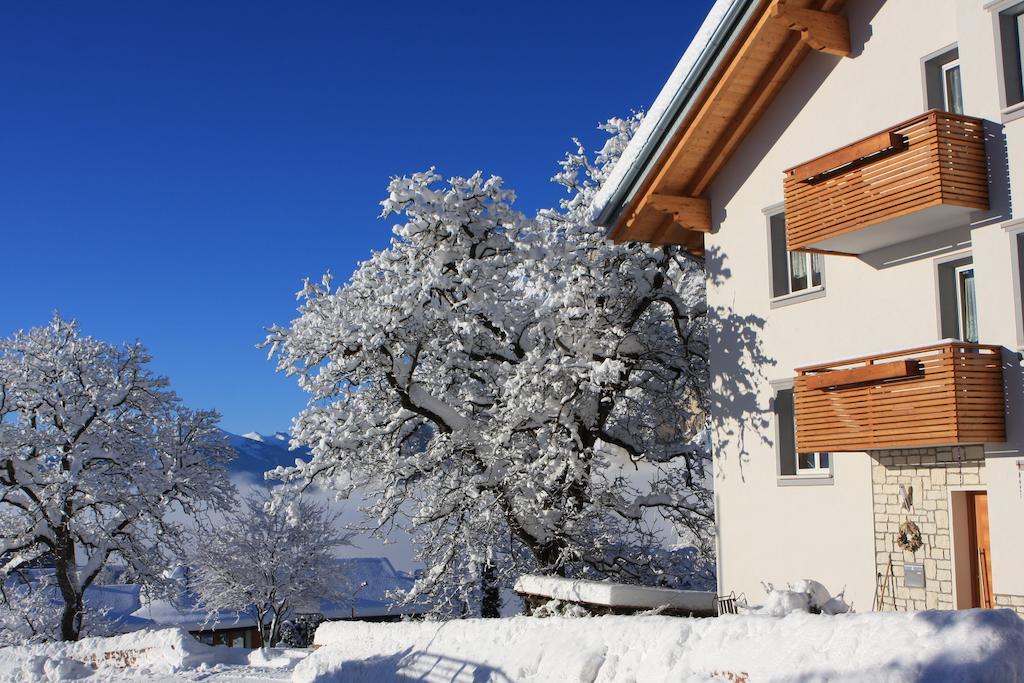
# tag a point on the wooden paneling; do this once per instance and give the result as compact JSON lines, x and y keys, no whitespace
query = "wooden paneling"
{"x":875,"y":372}
{"x":834,"y":162}
{"x":954,"y":396}
{"x":941,"y":160}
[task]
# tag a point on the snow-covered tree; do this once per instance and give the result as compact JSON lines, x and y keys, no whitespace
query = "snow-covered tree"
{"x":520,"y":393}
{"x":268,"y":560}
{"x":28,"y":612}
{"x":95,"y":451}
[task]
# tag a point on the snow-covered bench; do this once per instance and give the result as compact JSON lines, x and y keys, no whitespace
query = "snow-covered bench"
{"x":599,"y":597}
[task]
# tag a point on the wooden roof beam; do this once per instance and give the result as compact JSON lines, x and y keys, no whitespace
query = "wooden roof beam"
{"x":822,"y":31}
{"x":691,"y":213}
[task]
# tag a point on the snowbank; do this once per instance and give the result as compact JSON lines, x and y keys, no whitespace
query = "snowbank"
{"x":614,"y":594}
{"x":974,"y":645}
{"x":803,"y":596}
{"x":146,"y":652}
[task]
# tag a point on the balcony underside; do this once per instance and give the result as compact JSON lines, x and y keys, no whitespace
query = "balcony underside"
{"x":930,"y":220}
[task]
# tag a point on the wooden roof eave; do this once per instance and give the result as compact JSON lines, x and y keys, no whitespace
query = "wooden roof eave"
{"x":731,"y":102}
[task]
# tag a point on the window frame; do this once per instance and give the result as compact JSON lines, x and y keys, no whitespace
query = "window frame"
{"x":940,"y":265}
{"x":1008,"y":24}
{"x":944,"y":70}
{"x":817,"y":469}
{"x":958,"y":273}
{"x":812,"y":291}
{"x":933,"y":76}
{"x":817,"y":475}
{"x":1015,"y":231}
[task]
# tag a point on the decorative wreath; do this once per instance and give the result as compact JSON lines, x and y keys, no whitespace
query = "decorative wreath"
{"x":909,"y":537}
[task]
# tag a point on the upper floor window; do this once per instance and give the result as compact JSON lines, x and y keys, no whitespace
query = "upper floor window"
{"x":958,"y":309}
{"x":791,"y":462}
{"x":943,"y":81}
{"x":1011,"y":42}
{"x":1017,"y":254}
{"x":792,"y":272}
{"x":952,"y":92}
{"x":966,"y":304}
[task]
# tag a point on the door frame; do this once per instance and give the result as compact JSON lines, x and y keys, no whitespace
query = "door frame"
{"x":957,"y":541}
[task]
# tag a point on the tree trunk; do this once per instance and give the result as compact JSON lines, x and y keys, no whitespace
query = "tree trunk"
{"x":490,"y":599}
{"x":275,"y":630}
{"x":262,"y":627}
{"x":66,"y":571}
{"x":71,"y":619}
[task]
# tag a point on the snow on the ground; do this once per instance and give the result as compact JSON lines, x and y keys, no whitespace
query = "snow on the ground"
{"x":803,"y":596}
{"x":156,"y":652}
{"x":972,"y":645}
{"x":895,"y":647}
{"x":170,"y":654}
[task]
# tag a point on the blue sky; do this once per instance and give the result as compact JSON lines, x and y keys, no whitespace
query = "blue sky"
{"x":172,"y":170}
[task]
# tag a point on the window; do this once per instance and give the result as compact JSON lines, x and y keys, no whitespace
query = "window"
{"x":967,"y":309}
{"x":1011,"y":39}
{"x":1018,"y":246}
{"x":952,"y":93}
{"x":791,"y":272}
{"x":958,"y":309}
{"x":791,"y":463}
{"x":943,"y":84}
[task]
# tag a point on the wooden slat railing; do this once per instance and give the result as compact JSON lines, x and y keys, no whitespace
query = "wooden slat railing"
{"x":934,"y":159}
{"x":952,"y":393}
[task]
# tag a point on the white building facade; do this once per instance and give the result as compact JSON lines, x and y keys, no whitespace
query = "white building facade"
{"x":848,"y":171}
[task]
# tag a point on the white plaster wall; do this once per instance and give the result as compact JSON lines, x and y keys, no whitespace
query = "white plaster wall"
{"x":886,"y":301}
{"x":998,"y":297}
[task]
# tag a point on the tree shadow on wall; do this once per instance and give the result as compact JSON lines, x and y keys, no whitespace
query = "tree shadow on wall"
{"x":740,"y":412}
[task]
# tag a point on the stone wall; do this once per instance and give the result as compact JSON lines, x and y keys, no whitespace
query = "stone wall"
{"x":930,"y":471}
{"x":1014,"y":602}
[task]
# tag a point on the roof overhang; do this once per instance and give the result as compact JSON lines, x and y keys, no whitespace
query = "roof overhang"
{"x":721,"y":88}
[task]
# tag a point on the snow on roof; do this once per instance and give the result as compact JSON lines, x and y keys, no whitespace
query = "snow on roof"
{"x":614,"y":594}
{"x":189,"y":616}
{"x":654,"y":129}
{"x":371,"y":600}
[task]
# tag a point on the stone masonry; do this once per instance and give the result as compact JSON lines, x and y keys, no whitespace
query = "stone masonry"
{"x":931,"y":471}
{"x":1014,"y":602}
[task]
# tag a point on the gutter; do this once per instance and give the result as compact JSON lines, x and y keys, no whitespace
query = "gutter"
{"x":622,"y":184}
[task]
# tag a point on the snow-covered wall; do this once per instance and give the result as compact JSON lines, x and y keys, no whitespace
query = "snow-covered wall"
{"x":895,"y":648}
{"x":146,"y":654}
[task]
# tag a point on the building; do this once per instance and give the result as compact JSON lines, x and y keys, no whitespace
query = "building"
{"x":123,"y":607}
{"x":371,"y":581}
{"x":848,"y":170}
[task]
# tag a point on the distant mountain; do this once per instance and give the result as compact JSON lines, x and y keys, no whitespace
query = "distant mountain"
{"x":258,"y":453}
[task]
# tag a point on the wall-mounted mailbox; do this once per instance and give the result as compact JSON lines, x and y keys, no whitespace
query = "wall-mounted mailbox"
{"x":913,"y":575}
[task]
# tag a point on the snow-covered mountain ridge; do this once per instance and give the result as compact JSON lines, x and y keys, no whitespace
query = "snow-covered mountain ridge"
{"x":258,"y":453}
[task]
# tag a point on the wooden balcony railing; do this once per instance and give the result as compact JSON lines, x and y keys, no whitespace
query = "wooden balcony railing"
{"x":948,"y":393}
{"x":936,"y":159}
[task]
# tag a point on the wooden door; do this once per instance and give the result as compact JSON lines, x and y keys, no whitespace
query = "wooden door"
{"x":980,"y":548}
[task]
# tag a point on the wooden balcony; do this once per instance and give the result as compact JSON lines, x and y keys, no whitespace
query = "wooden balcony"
{"x":919,"y":177}
{"x":949,"y":393}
